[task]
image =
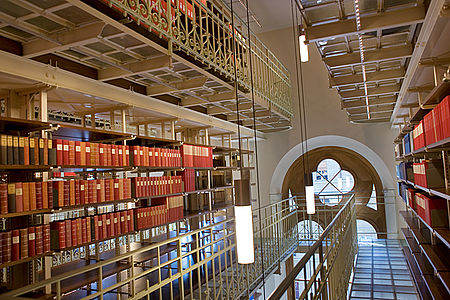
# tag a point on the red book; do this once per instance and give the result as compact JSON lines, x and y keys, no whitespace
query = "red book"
{"x":87,"y":158}
{"x":116,"y":189}
{"x":127,"y":156}
{"x":78,"y":153}
{"x":19,"y":197}
{"x":77,"y":192}
{"x":97,"y":227}
{"x":83,"y":190}
{"x":117,"y":223}
{"x":107,"y":183}
{"x":88,"y":230}
{"x":74,"y":232}
{"x":66,"y":192}
{"x":65,"y":152}
{"x":112,"y":226}
{"x":79,"y":232}
{"x":123,"y":222}
{"x":72,"y":153}
{"x":83,"y":231}
{"x":50,"y":194}
{"x":32,"y":191}
{"x":93,"y":191}
{"x":46,"y":237}
{"x":130,"y":220}
{"x":68,"y":236}
{"x":3,"y":198}
{"x":82,"y":153}
{"x":151,"y":157}
{"x":109,"y":155}
{"x":104,"y":226}
{"x":144,"y":158}
{"x":15,"y":254}
{"x":31,"y":241}
{"x":58,"y":144}
{"x":114,"y":155}
{"x":72,"y":192}
{"x":101,"y":149}
{"x":108,"y":225}
{"x":39,"y":201}
{"x":39,"y":240}
{"x":120,"y":155}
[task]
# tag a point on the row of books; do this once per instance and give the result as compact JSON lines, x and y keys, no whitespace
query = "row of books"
{"x":75,"y":232}
{"x":433,"y":210}
{"x":156,"y":186}
{"x":154,"y":157}
{"x":429,"y":174}
{"x":23,"y":243}
{"x":188,"y":176}
{"x":168,"y":209}
{"x":196,"y":156}
{"x":15,"y":150}
{"x":30,"y":196}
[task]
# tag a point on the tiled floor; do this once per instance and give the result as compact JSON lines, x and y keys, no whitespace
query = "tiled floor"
{"x":381,"y":272}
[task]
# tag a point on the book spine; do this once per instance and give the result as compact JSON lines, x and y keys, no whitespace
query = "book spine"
{"x":68,"y":233}
{"x":74,"y":232}
{"x":21,"y":150}
{"x":50,"y":194}
{"x":96,"y":228}
{"x":77,"y":192}
{"x":15,"y":253}
{"x":3,"y":149}
{"x":23,"y":243}
{"x":72,"y":192}
{"x":3,"y":198}
{"x":51,"y":153}
{"x":32,"y":149}
{"x":88,"y":154}
{"x":16,"y":150}
{"x":78,"y":153}
{"x":11,"y":198}
{"x":66,"y":152}
{"x":39,"y":202}
{"x":46,"y":237}
{"x":72,"y":153}
{"x":10,"y":150}
{"x":88,"y":230}
{"x":83,"y":187}
{"x":101,"y":149}
{"x":41,"y":146}
{"x":44,"y":195}
{"x":36,"y":152}
{"x":39,"y":240}
{"x":31,"y":241}
{"x":33,"y":200}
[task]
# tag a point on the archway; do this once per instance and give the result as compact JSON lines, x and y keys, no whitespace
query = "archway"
{"x":365,"y":230}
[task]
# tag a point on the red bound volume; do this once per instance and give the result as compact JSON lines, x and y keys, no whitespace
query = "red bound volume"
{"x":65,"y":152}
{"x":58,"y":144}
{"x":87,"y":149}
{"x":68,"y":236}
{"x":39,"y":240}
{"x":109,"y":155}
{"x":145,"y":156}
{"x":39,"y":202}
{"x":72,"y":153}
{"x":73,"y":228}
{"x":100,"y":228}
{"x":108,"y":225}
{"x":83,"y":186}
{"x":111,"y":221}
{"x":88,"y":230}
{"x":46,"y":237}
{"x":130,"y":220}
{"x":102,"y":190}
{"x":117,"y":223}
{"x":122,"y":222}
{"x":72,"y":192}
{"x":83,"y":231}
{"x":151,"y":157}
{"x":50,"y":194}
{"x":104,"y":227}
{"x":120,"y":155}
{"x":19,"y":197}
{"x":113,"y":155}
{"x":77,"y":153}
{"x":107,"y":183}
{"x":97,"y":228}
{"x":7,"y":246}
{"x":58,"y":235}
{"x":23,"y":243}
{"x":116,"y":189}
{"x":3,"y":198}
{"x":66,"y":193}
{"x":77,"y":192}
{"x":32,"y":190}
{"x":15,"y":254}
{"x":31,"y":241}
{"x":93,"y":191}
{"x":79,"y":232}
{"x":101,"y":149}
{"x":127,"y":156}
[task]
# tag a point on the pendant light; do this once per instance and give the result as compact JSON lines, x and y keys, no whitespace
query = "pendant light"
{"x":310,"y":197}
{"x":304,"y":54}
{"x":243,"y":216}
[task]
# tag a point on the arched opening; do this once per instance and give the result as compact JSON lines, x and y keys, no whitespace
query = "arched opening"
{"x":365,"y":231}
{"x":308,"y":231}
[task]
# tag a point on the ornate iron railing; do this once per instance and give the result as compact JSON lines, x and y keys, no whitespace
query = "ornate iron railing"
{"x":204,"y":31}
{"x":194,"y":259}
{"x":327,"y":265}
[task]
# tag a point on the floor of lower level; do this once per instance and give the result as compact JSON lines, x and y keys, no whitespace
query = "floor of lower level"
{"x":381,"y":272}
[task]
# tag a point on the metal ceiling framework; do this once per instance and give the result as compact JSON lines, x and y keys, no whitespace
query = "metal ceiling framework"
{"x":369,"y":81}
{"x":76,"y":36}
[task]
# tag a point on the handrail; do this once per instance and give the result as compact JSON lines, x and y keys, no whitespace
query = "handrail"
{"x":290,"y":278}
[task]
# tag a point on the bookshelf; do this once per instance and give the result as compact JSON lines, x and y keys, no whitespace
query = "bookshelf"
{"x":212,"y":191}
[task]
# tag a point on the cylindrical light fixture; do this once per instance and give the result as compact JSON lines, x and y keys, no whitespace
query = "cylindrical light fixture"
{"x":304,"y":55}
{"x":310,"y":198}
{"x":244,"y":222}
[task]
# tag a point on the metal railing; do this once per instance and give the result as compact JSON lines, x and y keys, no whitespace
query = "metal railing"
{"x":327,"y":265}
{"x":197,"y":260}
{"x":205,"y":33}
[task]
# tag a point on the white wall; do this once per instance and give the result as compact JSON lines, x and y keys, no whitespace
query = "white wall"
{"x":324,"y":114}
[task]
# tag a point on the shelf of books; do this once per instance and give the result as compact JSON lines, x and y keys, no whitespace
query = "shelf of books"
{"x":423,"y":183}
{"x":71,"y":196}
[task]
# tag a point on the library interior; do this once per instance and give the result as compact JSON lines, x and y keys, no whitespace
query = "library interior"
{"x":224,"y":149}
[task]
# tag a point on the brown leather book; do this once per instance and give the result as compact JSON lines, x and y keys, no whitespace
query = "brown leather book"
{"x":82,"y":153}
{"x":10,"y":150}
{"x":36,"y":152}
{"x":23,"y":243}
{"x":72,"y":160}
{"x":31,"y":241}
{"x":50,"y":194}
{"x":15,"y":247}
{"x":45,"y":153}
{"x":3,"y":198}
{"x":3,"y":149}
{"x":26,"y":196}
{"x":46,"y":237}
{"x":33,"y":203}
{"x":68,"y":226}
{"x":39,"y":201}
{"x":11,"y":198}
{"x":44,"y":195}
{"x":39,"y":240}
{"x":32,"y":150}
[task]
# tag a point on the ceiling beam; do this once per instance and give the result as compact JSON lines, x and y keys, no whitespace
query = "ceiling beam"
{"x":64,"y":79}
{"x":372,"y":109}
{"x":370,"y":77}
{"x":63,"y":40}
{"x":372,"y":102}
{"x":103,"y":109}
{"x":153,"y":121}
{"x":422,"y":88}
{"x":227,"y":108}
{"x":188,"y":84}
{"x":369,"y":56}
{"x":384,"y":116}
{"x":143,"y":66}
{"x":382,"y":90}
{"x":383,"y":20}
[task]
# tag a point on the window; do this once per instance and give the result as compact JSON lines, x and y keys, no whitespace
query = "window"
{"x":365,"y":230}
{"x":309,"y":231}
{"x":373,"y":199}
{"x":331,"y":182}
